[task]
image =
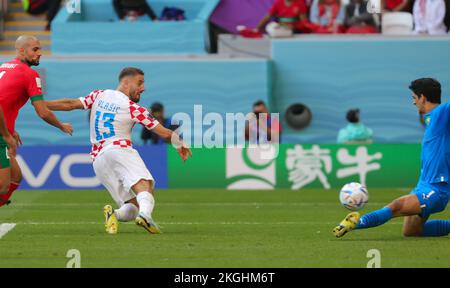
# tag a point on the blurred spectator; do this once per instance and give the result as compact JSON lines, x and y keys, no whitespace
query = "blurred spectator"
{"x":447,"y":14}
{"x":429,"y":17}
{"x":53,"y":9}
{"x":157,"y":110}
{"x":37,"y":7}
{"x":132,"y":9}
{"x":396,"y":5}
{"x":287,"y":14}
{"x":357,"y":19}
{"x":262,"y":127}
{"x":172,"y":14}
{"x":355,"y":131}
{"x":328,"y":16}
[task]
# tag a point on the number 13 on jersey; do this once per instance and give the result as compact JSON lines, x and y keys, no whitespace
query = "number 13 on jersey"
{"x":107,"y":120}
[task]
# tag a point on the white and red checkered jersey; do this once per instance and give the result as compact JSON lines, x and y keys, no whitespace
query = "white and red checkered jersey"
{"x":113,"y":115}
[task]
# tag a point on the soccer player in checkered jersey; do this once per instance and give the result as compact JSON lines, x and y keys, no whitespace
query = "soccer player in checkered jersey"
{"x":18,"y":84}
{"x":117,"y":165}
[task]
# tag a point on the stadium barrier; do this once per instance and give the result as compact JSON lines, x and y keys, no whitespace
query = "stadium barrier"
{"x":298,"y":166}
{"x":70,"y":167}
{"x":294,"y":167}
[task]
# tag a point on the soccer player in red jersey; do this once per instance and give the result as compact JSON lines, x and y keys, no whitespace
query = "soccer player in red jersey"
{"x":18,"y":83}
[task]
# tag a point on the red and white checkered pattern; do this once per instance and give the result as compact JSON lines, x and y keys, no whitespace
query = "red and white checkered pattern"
{"x":112,"y":118}
{"x":96,"y":148}
{"x":141,"y":115}
{"x":124,"y":143}
{"x":90,"y":99}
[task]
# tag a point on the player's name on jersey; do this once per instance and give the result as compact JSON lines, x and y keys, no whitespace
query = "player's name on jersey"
{"x":8,"y":66}
{"x":110,"y":107}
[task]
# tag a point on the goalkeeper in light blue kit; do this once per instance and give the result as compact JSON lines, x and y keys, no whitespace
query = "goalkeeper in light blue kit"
{"x":432,"y":192}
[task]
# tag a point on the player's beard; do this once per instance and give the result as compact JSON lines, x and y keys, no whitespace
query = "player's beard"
{"x":32,"y":62}
{"x":136,"y":97}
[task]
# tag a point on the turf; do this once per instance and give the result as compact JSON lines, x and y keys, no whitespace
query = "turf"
{"x":209,"y":228}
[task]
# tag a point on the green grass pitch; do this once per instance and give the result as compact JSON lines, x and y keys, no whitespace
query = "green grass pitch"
{"x":210,"y":228}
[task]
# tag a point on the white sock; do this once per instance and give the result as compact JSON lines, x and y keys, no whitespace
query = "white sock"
{"x":146,"y":204}
{"x":127,"y":212}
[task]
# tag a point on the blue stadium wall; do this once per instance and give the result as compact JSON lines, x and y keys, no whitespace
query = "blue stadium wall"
{"x":333,"y":74}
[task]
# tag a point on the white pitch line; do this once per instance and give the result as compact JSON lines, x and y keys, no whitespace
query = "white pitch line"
{"x":190,"y":223}
{"x":5,"y":228}
{"x":168,"y":223}
{"x":165,"y":223}
{"x":282,"y":204}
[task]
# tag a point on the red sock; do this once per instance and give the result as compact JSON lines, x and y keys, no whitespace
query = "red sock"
{"x":4,"y":198}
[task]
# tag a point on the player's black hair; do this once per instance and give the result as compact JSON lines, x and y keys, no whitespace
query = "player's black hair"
{"x":353,"y":116}
{"x":428,"y":87}
{"x":259,"y":102}
{"x":130,"y":71}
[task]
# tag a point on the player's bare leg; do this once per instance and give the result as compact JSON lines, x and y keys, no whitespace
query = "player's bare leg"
{"x":146,"y":202}
{"x":12,"y":182}
{"x":413,"y":226}
{"x":5,"y":179}
{"x":407,"y":205}
{"x":134,"y":202}
{"x":417,"y":226}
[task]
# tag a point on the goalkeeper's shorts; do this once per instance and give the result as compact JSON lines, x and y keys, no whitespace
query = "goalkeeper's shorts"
{"x":433,"y":198}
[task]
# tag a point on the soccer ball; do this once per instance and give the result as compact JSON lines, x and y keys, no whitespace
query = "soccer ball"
{"x":354,"y":196}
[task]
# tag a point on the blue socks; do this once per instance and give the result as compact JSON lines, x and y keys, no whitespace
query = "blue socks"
{"x":375,"y":218}
{"x":436,"y":228}
{"x":432,"y":228}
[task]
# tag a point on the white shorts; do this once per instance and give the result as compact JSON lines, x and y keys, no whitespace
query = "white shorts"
{"x":118,"y":169}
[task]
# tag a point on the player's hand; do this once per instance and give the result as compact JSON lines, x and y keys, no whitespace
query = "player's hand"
{"x":67,"y":128}
{"x":184,"y":152}
{"x":17,"y":137}
{"x":12,"y":145}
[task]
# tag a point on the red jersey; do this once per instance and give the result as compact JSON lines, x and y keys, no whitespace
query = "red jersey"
{"x":281,"y":10}
{"x":18,"y":83}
